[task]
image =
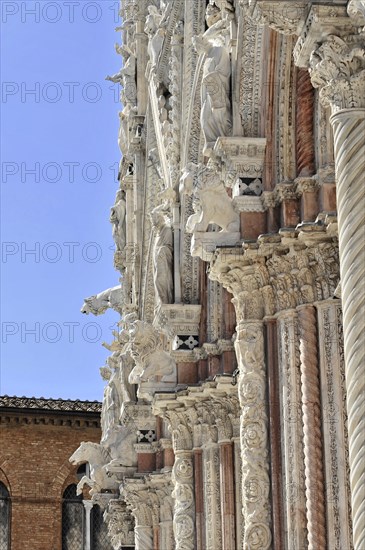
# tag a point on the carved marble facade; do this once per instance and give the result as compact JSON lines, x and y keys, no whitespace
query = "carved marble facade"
{"x":234,"y":405}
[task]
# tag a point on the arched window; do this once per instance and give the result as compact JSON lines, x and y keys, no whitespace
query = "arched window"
{"x":72,"y":520}
{"x":4,"y":518}
{"x":99,"y":537}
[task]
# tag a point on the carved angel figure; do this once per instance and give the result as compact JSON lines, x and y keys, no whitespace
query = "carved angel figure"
{"x":215,"y":117}
{"x":162,"y":255}
{"x":117,"y":218}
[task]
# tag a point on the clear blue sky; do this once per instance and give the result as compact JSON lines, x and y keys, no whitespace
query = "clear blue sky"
{"x":66,"y":131}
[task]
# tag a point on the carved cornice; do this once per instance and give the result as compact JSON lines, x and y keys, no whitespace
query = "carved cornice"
{"x":337,"y":68}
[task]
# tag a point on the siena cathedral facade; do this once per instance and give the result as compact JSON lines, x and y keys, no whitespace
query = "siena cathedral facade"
{"x":233,"y":412}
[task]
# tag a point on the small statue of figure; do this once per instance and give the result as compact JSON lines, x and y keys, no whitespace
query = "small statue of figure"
{"x":155,"y":28}
{"x":110,"y":410}
{"x":162,"y":255}
{"x":215,"y":117}
{"x":118,"y":219}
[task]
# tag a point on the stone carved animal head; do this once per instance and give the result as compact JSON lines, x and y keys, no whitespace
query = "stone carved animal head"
{"x":90,"y":452}
{"x":99,"y":303}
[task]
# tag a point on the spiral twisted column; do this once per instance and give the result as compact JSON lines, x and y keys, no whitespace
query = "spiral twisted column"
{"x":349,"y":142}
{"x":311,"y":408}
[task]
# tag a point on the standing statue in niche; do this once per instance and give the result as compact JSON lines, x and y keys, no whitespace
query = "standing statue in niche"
{"x":117,"y":218}
{"x":215,"y":117}
{"x":155,"y":28}
{"x":162,"y":255}
{"x":110,"y":410}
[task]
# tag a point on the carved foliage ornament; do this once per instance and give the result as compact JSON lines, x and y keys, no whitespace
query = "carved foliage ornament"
{"x":337,"y":68}
{"x":283,"y":17}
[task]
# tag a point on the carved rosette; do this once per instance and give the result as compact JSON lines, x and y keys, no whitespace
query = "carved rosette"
{"x":254,"y":454}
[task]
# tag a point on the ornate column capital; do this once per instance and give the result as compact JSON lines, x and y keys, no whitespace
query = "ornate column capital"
{"x":120,"y":524}
{"x":337,"y":68}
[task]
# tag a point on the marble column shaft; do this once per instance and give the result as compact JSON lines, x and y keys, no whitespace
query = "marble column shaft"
{"x":349,"y":144}
{"x":227,"y":495}
{"x":295,"y":523}
{"x":275,"y":432}
{"x":143,"y":537}
{"x":311,"y":410}
{"x":212,"y":505}
{"x":199,"y":499}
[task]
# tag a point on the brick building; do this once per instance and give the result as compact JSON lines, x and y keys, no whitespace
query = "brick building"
{"x":39,"y":509}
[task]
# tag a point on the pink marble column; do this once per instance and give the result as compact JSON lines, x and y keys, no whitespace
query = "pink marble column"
{"x":227,"y":495}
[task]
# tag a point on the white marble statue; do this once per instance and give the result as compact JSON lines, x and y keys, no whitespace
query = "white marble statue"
{"x":97,"y":456}
{"x":117,"y":218}
{"x":111,"y":406}
{"x":112,"y":298}
{"x":211,"y":201}
{"x":125,"y":117}
{"x":155,"y":28}
{"x":154,"y":368}
{"x":162,"y":255}
{"x":215,"y":117}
